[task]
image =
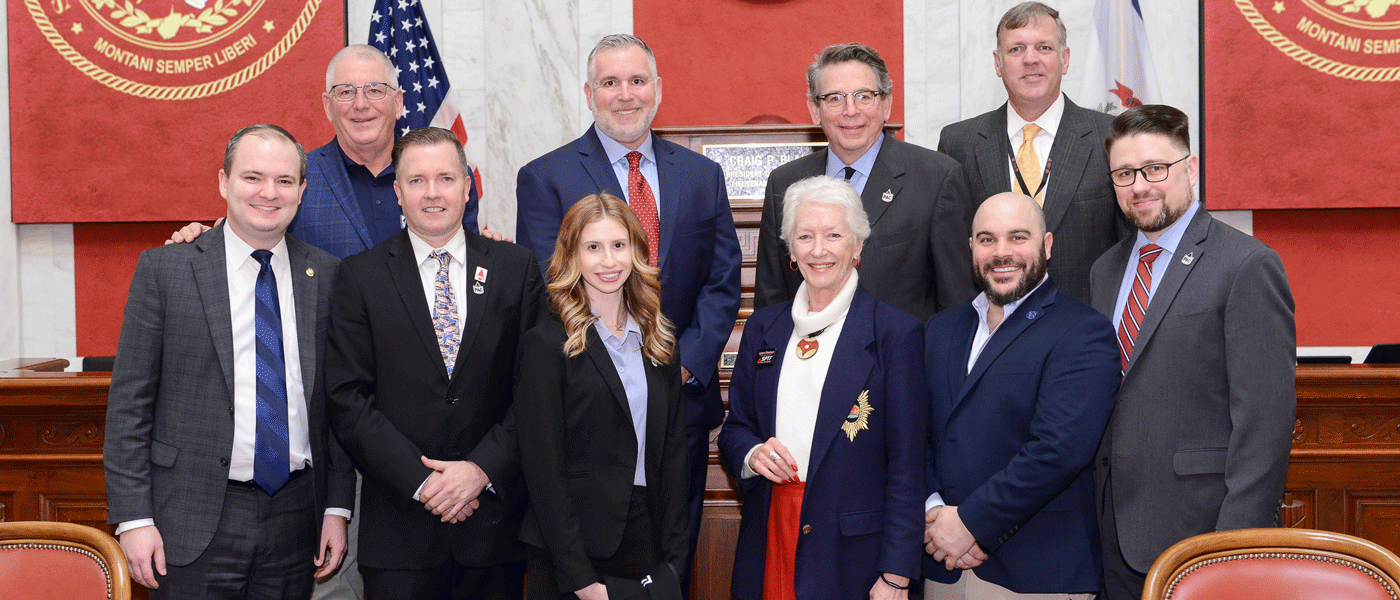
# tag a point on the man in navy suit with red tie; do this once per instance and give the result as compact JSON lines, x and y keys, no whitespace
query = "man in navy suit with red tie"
{"x":678,"y":194}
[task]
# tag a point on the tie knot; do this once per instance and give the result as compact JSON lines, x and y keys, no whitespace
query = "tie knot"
{"x":1029,"y":132}
{"x":263,"y":257}
{"x":442,"y":256}
{"x":634,"y":159}
{"x":1149,"y":253}
{"x":849,"y":172}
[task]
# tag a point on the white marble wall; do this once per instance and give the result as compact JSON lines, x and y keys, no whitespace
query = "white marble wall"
{"x":517,"y":73}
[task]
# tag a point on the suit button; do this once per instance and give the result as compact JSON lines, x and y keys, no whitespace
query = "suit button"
{"x":1105,"y":461}
{"x":451,"y":400}
{"x":806,"y":529}
{"x":230,"y":410}
{"x":223,"y":462}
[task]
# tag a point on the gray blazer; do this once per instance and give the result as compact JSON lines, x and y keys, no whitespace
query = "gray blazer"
{"x":170,"y":410}
{"x":1199,"y":439}
{"x":1079,"y":203}
{"x":917,"y":256}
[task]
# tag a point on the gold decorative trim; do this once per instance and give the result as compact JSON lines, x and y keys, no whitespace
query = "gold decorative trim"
{"x":1307,"y":57}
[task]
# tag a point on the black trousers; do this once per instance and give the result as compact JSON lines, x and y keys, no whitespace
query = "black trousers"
{"x":1120,"y":581}
{"x":635,"y":556}
{"x":262,"y":548}
{"x":450,"y":581}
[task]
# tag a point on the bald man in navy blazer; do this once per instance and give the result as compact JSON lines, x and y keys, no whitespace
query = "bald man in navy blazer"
{"x":698,"y":251}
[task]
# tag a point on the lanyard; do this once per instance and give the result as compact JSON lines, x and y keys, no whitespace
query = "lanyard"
{"x":1044,"y":177}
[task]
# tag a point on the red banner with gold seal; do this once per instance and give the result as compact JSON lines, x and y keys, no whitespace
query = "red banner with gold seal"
{"x":1293,"y":92}
{"x":120,"y":109}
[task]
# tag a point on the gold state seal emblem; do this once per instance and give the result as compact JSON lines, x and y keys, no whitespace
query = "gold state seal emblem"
{"x":172,"y":49}
{"x":1351,"y":39}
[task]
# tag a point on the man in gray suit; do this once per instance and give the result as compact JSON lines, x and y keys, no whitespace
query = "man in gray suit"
{"x":916,"y":256}
{"x":1200,"y":437}
{"x":221,"y":471}
{"x":1064,"y":166}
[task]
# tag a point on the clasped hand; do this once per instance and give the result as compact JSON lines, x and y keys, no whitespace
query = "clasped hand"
{"x":949,"y":541}
{"x":451,"y":491}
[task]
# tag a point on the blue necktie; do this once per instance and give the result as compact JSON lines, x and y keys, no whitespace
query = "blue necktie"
{"x":270,"y":458}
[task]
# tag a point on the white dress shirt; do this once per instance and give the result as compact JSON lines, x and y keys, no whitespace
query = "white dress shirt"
{"x":1049,"y":124}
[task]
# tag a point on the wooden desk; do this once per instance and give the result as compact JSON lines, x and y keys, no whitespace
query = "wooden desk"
{"x":1344,"y":475}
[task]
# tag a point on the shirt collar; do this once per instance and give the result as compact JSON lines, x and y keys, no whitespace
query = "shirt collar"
{"x":350,"y":163}
{"x":1049,"y":122}
{"x":981,"y":303}
{"x":237,"y":251}
{"x":457,"y":247}
{"x":863,"y":165}
{"x":607,"y":334}
{"x":1171,"y":236}
{"x":618,"y":152}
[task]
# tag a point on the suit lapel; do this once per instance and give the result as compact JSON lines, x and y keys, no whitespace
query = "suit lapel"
{"x":660,"y":398}
{"x":1069,"y":157}
{"x":1173,"y":276}
{"x":403,"y":271}
{"x":1012,"y":326}
{"x":211,"y":278}
{"x":602,"y":360}
{"x":1105,"y":297}
{"x":992,"y":161}
{"x":595,"y":162}
{"x":845,"y":379}
{"x":339,"y":182}
{"x":304,"y":298}
{"x":478,"y":257}
{"x":884,"y":180}
{"x":668,"y":202}
{"x":959,"y":349}
{"x":766,"y":378}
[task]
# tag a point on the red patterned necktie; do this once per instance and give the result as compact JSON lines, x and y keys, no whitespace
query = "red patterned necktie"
{"x":643,"y":203}
{"x":1136,"y":306}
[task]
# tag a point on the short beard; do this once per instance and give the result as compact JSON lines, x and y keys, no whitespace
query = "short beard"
{"x":1035,"y":271}
{"x":1165,"y":218}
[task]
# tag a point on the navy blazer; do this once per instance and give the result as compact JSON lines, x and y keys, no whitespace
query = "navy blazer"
{"x":330,"y":218}
{"x":864,"y":497}
{"x":1011,"y":442}
{"x":699,"y":255}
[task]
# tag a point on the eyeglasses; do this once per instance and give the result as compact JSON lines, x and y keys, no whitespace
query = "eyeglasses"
{"x":373,"y":91}
{"x":1153,"y":173}
{"x":865,"y":99}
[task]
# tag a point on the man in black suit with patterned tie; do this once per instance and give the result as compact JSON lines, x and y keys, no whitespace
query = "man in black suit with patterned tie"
{"x":1063,"y":167}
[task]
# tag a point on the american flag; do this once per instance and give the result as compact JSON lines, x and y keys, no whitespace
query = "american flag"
{"x":399,"y":29}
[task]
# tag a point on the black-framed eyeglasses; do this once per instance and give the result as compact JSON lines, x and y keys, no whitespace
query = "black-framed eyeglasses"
{"x":865,"y":99}
{"x":1153,"y":173}
{"x":345,"y":92}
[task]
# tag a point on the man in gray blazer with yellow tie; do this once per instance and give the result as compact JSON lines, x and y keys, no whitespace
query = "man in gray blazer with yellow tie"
{"x":1063,"y":167}
{"x":221,"y":471}
{"x":1199,"y":439}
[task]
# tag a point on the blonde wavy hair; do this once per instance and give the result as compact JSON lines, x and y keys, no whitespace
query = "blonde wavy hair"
{"x":641,"y":294}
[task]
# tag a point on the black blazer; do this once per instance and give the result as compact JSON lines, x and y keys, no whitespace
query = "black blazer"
{"x":579,"y":453}
{"x":392,"y":402}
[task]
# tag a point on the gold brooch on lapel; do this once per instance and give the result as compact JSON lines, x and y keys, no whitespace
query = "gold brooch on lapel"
{"x":310,"y":272}
{"x":859,"y":417}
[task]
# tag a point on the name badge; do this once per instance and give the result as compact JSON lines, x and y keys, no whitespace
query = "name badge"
{"x":766,"y":357}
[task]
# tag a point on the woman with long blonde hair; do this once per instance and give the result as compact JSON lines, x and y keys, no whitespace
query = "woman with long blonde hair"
{"x":602,"y":429}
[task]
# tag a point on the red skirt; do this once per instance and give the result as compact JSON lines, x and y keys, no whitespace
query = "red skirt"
{"x":784,"y":527}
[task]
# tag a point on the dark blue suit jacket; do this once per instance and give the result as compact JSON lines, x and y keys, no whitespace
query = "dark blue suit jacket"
{"x":330,"y":218}
{"x":864,"y":497}
{"x":699,"y":256}
{"x":1011,"y":442}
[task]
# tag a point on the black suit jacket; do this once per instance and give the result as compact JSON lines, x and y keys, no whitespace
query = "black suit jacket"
{"x":1080,"y":207}
{"x":393,"y":402}
{"x":170,"y":409}
{"x":917,"y":256}
{"x":579,"y":454}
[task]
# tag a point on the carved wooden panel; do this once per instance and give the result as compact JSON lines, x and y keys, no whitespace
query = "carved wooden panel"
{"x":82,"y":508}
{"x":714,"y":565}
{"x":1297,"y":509}
{"x":1375,"y":515}
{"x":6,"y":500}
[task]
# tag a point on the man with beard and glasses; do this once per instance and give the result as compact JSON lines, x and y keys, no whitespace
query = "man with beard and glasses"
{"x":1200,"y":438}
{"x":1022,"y":381}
